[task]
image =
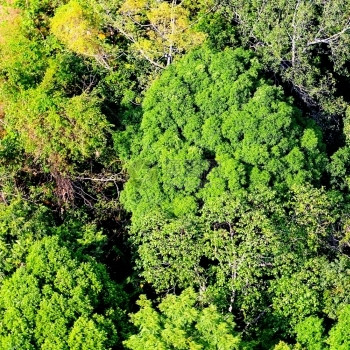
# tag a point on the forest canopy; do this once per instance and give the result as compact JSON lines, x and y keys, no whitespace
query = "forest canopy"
{"x":174,"y":174}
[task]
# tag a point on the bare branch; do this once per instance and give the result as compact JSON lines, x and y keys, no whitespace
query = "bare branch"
{"x":294,"y":32}
{"x":332,"y":38}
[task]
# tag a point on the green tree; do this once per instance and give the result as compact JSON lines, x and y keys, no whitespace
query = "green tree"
{"x":221,"y":184}
{"x":181,"y":324}
{"x":23,"y":60}
{"x":307,"y":42}
{"x":57,"y":130}
{"x":339,"y":335}
{"x":21,"y":224}
{"x":319,"y":287}
{"x":73,"y":27}
{"x":157,"y":31}
{"x":59,"y":300}
{"x":310,"y":333}
{"x":212,"y":125}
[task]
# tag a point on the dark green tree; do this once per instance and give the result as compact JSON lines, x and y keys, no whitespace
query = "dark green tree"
{"x":306,"y":42}
{"x":222,"y":183}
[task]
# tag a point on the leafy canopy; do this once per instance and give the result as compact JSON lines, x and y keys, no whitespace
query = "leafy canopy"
{"x":307,"y":42}
{"x":60,"y":301}
{"x":181,"y":324}
{"x":221,"y":180}
{"x":212,"y":125}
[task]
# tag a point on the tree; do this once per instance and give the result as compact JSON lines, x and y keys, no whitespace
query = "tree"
{"x":310,"y":333}
{"x":220,"y":182}
{"x":53,"y":121}
{"x":58,"y":130}
{"x":21,"y":224}
{"x":181,"y":324}
{"x":157,"y":31}
{"x":22,"y":60}
{"x":320,"y":287}
{"x":208,"y":129}
{"x":339,"y":336}
{"x":307,"y":42}
{"x":79,"y":33}
{"x":60,"y":300}
{"x":54,"y":103}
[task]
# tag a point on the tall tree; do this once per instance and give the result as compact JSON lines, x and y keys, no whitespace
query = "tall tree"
{"x":157,"y":30}
{"x":220,"y":182}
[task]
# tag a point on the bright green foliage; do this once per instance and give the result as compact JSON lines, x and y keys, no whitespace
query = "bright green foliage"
{"x":220,"y":33}
{"x":219,"y":196}
{"x":221,"y":190}
{"x":47,"y":301}
{"x":339,"y":335}
{"x":181,"y":324}
{"x":310,"y":333}
{"x":55,"y":121}
{"x":282,"y":346}
{"x":11,"y":156}
{"x":171,"y":252}
{"x":71,"y":28}
{"x":90,"y":333}
{"x":239,"y":252}
{"x":22,"y":61}
{"x":20,"y":226}
{"x":340,"y":168}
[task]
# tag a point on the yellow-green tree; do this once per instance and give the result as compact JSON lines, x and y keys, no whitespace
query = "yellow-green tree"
{"x":158,"y":30}
{"x":78,"y":31}
{"x":58,"y":130}
{"x":21,"y":59}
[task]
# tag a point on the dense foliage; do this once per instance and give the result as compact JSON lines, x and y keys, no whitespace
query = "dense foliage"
{"x":57,"y":301}
{"x":180,"y":325}
{"x":174,"y":174}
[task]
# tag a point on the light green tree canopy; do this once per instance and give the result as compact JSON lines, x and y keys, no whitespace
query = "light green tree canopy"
{"x":57,"y":300}
{"x":58,"y":130}
{"x":181,"y":324}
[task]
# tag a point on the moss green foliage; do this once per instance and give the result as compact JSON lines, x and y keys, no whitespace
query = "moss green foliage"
{"x":174,"y":174}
